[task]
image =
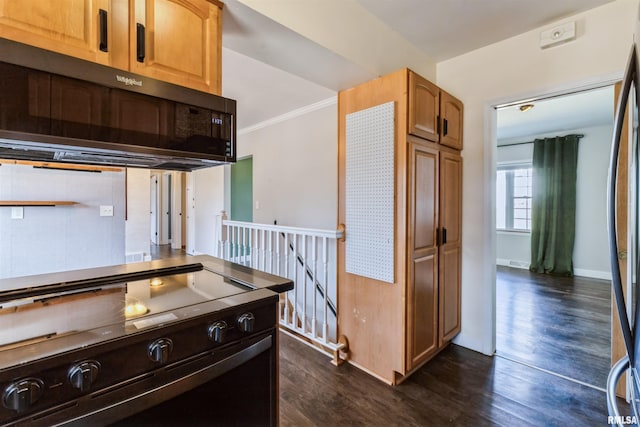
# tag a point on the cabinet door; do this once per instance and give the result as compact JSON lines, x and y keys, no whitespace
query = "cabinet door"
{"x":70,"y":27}
{"x":422,"y":281}
{"x":450,"y":245}
{"x":451,"y":128}
{"x":424,"y":104}
{"x":178,"y":41}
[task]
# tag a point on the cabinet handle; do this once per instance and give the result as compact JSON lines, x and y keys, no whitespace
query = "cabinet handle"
{"x":444,"y":235}
{"x":140,"y":45}
{"x":104,"y":39}
{"x":445,"y":127}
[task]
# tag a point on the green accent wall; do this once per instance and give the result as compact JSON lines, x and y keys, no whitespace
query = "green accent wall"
{"x":242,"y":190}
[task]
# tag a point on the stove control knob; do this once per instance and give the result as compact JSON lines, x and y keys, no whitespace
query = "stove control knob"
{"x":217,"y":332}
{"x":245,"y":322}
{"x":84,"y":374}
{"x":20,"y":395}
{"x":160,"y":349}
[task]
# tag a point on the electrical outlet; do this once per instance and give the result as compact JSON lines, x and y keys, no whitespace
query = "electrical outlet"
{"x":106,"y":210}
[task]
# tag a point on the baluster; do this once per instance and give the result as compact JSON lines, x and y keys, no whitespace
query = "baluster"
{"x":270,"y":252}
{"x":325,"y":278}
{"x":244,"y":245}
{"x":232,"y":243}
{"x":313,"y":284}
{"x":255,"y":244}
{"x":278,"y":261}
{"x":305,"y":282}
{"x":294,"y":273}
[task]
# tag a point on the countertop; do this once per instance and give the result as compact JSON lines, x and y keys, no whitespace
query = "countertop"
{"x":26,"y":286}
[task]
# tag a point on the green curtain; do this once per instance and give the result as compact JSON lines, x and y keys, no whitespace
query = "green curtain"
{"x":553,"y":215}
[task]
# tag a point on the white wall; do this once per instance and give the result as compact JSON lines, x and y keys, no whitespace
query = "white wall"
{"x":208,"y":188}
{"x":137,"y":225}
{"x":512,"y":70}
{"x":590,"y":254}
{"x":295,"y":170}
{"x":60,"y":238}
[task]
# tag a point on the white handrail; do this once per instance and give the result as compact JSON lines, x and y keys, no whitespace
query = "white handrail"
{"x":305,"y":255}
{"x":331,"y":234}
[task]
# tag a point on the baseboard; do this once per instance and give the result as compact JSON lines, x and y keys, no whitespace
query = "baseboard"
{"x":593,"y":274}
{"x":471,"y":343}
{"x":513,"y":263}
{"x":581,"y":272}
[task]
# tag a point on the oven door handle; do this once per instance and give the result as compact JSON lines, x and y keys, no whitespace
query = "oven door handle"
{"x":127,"y":407}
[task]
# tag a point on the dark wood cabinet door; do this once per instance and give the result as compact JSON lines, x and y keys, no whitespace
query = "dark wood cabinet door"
{"x":451,"y":111}
{"x":450,"y":254}
{"x":422,"y":287}
{"x":424,"y":104}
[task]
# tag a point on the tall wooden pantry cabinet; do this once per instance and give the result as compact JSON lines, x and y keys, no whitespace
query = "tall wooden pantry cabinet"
{"x":400,"y":200}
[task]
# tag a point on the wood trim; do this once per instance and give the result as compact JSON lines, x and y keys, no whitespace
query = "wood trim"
{"x":63,"y":166}
{"x":217,"y":3}
{"x":618,"y":349}
{"x":36,"y":203}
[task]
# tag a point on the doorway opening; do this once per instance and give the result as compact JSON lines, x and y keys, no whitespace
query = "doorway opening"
{"x":167,"y":203}
{"x":558,"y":324}
{"x":242,"y":190}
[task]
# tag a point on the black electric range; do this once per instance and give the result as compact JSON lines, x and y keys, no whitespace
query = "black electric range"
{"x":140,"y":343}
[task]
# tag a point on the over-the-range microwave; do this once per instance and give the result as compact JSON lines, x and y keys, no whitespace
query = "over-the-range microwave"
{"x":55,"y":108}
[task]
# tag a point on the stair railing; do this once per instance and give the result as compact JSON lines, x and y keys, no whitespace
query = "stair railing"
{"x":306,"y":256}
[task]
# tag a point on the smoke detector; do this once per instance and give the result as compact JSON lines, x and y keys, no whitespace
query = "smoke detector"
{"x":557,"y":35}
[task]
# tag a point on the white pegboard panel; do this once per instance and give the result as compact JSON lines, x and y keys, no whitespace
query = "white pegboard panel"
{"x":369,"y":195}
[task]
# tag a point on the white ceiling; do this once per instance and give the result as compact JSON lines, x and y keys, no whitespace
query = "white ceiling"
{"x":444,"y":29}
{"x":564,"y":113}
{"x":271,"y":70}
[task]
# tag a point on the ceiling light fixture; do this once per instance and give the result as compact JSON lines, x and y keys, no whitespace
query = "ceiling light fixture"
{"x":526,"y":107}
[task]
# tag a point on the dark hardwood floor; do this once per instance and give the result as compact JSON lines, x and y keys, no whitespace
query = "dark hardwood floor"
{"x":559,"y":324}
{"x":458,"y":387}
{"x":165,"y":251}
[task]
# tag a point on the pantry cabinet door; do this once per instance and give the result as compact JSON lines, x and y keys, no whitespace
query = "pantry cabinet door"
{"x":178,"y":41}
{"x":450,"y":250}
{"x":422,"y":280}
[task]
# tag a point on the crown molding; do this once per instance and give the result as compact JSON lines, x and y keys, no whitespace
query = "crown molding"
{"x":290,"y":115}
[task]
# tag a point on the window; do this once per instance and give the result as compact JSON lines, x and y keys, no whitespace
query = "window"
{"x":513,"y":196}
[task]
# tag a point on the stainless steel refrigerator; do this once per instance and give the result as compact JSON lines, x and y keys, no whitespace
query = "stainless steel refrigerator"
{"x":625,"y":256}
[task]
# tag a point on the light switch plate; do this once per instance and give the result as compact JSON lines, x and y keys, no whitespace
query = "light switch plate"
{"x":17,"y":212}
{"x":106,"y":210}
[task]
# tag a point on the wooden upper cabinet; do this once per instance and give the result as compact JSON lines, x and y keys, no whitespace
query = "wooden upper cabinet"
{"x":178,"y":41}
{"x":424,"y":103}
{"x":69,"y":27}
{"x":451,"y":112}
{"x":434,"y":114}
